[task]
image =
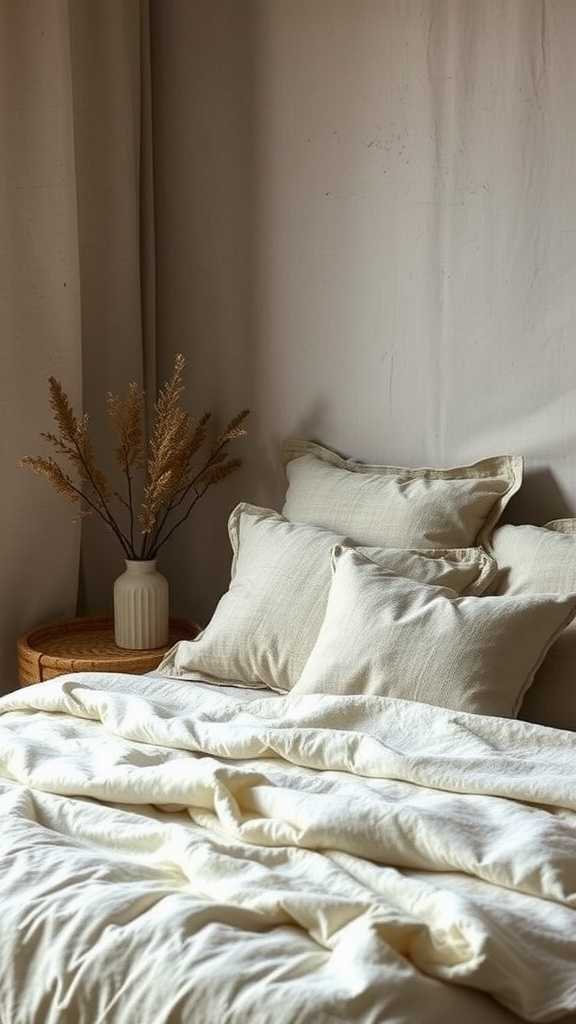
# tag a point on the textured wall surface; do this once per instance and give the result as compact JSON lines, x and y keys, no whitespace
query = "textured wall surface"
{"x":366,"y":222}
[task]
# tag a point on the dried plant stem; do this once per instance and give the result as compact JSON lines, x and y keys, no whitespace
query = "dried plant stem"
{"x":122,"y":500}
{"x":88,"y":501}
{"x":130,"y":502}
{"x":197,"y":496}
{"x":105,"y":511}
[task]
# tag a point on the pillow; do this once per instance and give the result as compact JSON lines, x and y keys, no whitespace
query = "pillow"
{"x":266,"y":624}
{"x":393,"y":637}
{"x":394,"y":507}
{"x":562,"y":526}
{"x":536,"y":560}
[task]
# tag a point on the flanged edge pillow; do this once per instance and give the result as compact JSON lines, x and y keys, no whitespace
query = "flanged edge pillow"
{"x":389,"y":636}
{"x":265,"y":626}
{"x":537,"y":560}
{"x":395,"y":506}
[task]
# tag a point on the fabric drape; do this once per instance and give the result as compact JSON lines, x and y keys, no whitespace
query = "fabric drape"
{"x":76,"y":277}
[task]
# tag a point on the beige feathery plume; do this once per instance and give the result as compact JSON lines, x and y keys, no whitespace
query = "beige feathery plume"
{"x":166,"y":470}
{"x":58,"y":443}
{"x":75,"y":441}
{"x":50,"y":469}
{"x":62,"y":410}
{"x":172,"y":485}
{"x":157,"y":494}
{"x":167,"y":403}
{"x":215,"y":473}
{"x":172,"y":433}
{"x":235,"y":428}
{"x":199,"y":434}
{"x":126,"y":415}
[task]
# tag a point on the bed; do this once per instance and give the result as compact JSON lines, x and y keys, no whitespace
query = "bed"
{"x":173,"y":852}
{"x":328,"y":806}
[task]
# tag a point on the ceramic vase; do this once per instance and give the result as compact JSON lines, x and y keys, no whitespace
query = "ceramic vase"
{"x":141,"y":607}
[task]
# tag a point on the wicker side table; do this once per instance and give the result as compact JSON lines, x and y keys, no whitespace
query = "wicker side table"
{"x":87,"y":645}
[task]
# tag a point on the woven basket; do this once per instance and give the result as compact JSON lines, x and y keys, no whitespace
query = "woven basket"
{"x":87,"y":645}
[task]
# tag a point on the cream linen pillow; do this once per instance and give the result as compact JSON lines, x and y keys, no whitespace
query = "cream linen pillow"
{"x":395,"y":507}
{"x":266,"y":624}
{"x":542,"y":560}
{"x":393,"y":637}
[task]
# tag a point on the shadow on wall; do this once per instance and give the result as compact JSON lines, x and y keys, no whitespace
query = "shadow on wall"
{"x":205,"y":185}
{"x":540,"y":500}
{"x":271,"y":484}
{"x":211,"y":212}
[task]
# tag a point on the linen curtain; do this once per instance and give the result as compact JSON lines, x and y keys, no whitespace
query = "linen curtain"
{"x":76,"y":275}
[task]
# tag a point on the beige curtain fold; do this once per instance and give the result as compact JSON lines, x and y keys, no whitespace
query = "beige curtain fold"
{"x":76,"y":275}
{"x":109,"y":48}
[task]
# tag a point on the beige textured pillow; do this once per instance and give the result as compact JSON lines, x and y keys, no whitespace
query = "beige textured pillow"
{"x":393,"y":637}
{"x":395,"y":507}
{"x":542,"y":560}
{"x":266,"y":624}
{"x":562,"y":526}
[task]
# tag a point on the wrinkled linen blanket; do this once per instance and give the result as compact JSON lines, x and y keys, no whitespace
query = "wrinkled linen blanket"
{"x":180,"y":856}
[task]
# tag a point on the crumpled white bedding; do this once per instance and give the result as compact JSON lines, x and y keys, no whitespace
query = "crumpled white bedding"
{"x":298,"y":859}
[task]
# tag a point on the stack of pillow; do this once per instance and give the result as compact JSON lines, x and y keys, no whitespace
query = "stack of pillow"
{"x":393,"y":582}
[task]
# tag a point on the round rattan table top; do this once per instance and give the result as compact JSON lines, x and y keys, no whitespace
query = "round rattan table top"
{"x":87,"y":645}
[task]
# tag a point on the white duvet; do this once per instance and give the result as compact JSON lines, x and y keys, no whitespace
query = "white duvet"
{"x":169,"y":853}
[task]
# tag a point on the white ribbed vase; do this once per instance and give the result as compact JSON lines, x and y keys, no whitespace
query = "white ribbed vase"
{"x":141,"y":607}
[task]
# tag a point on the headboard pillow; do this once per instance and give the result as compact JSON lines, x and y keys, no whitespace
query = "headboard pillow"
{"x":398,"y":507}
{"x":266,"y":624}
{"x":539,"y":560}
{"x":388,"y":636}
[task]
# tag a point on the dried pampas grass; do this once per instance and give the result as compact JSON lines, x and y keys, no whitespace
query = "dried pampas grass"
{"x":175,"y":478}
